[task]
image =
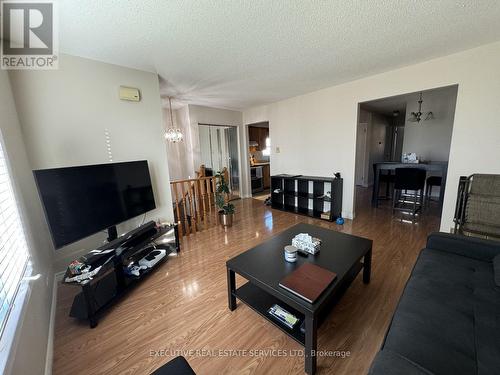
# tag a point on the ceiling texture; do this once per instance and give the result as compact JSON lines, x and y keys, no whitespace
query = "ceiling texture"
{"x":242,"y":53}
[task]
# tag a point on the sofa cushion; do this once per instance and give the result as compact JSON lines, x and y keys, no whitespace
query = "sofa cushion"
{"x":433,"y":320}
{"x":436,"y":322}
{"x":496,"y":269}
{"x":469,"y":247}
{"x":487,"y":334}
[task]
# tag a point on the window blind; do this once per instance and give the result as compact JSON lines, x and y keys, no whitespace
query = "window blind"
{"x":13,"y":245}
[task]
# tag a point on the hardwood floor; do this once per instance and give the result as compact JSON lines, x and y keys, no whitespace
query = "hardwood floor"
{"x":183,"y":305}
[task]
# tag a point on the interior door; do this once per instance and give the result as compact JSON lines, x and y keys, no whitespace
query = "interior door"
{"x":360,"y":178}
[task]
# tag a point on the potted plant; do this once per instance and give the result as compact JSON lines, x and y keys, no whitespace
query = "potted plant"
{"x":226,"y":209}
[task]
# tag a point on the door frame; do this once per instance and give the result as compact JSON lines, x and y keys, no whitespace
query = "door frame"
{"x":363,"y":162}
{"x":247,"y":157}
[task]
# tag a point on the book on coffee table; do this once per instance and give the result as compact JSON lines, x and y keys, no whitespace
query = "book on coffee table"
{"x":308,"y":281}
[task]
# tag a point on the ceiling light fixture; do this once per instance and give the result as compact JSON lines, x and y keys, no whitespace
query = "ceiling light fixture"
{"x":417,"y":116}
{"x":172,"y":134}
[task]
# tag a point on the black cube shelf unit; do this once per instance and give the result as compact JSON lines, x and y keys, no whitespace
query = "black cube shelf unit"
{"x":305,"y":195}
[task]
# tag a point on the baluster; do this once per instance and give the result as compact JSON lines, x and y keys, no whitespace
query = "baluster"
{"x":198,"y":203}
{"x":191,"y":206}
{"x":209,"y":193}
{"x":186,"y":220}
{"x":216,"y":209}
{"x":203,"y":198}
{"x":177,"y":210}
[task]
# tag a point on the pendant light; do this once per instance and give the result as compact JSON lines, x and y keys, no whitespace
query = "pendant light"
{"x":417,"y":116}
{"x":172,"y":134}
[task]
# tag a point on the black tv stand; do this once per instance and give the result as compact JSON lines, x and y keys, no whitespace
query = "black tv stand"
{"x":112,"y":233}
{"x":111,"y":283}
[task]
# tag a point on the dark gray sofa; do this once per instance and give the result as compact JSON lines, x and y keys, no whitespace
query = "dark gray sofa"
{"x":448,"y":318}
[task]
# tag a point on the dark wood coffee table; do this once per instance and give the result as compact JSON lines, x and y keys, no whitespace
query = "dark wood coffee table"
{"x":264,"y":266}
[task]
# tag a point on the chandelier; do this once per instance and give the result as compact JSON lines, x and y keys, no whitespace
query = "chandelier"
{"x":172,"y":134}
{"x":417,"y":116}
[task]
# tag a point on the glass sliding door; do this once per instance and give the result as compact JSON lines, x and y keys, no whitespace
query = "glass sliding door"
{"x":219,"y":150}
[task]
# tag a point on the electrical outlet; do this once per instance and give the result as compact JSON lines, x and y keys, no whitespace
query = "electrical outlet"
{"x":277,"y":150}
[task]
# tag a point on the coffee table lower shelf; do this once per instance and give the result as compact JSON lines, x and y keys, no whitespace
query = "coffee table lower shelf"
{"x":260,"y":301}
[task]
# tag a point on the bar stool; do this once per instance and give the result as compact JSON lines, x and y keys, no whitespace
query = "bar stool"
{"x":412,"y":179}
{"x":432,"y":181}
{"x":388,"y":179}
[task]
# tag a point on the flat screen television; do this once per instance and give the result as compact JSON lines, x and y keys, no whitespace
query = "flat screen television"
{"x":80,"y":201}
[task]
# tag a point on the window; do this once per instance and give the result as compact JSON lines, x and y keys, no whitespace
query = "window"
{"x":13,"y":245}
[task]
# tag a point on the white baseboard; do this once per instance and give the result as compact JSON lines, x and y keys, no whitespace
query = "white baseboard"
{"x":347,"y":215}
{"x":50,"y":342}
{"x":59,"y":276}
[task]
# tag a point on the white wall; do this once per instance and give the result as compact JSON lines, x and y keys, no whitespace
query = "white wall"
{"x":64,"y":115}
{"x":431,"y":140}
{"x":205,"y":152}
{"x":29,"y":353}
{"x":316,"y":132}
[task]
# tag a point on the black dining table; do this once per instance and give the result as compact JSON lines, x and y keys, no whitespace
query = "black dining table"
{"x":432,"y":167}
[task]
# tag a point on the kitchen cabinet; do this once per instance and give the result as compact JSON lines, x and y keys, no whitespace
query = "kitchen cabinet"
{"x":253,"y":137}
{"x":259,"y":135}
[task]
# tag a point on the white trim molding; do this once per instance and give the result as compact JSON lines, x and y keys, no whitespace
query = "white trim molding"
{"x":52,"y":324}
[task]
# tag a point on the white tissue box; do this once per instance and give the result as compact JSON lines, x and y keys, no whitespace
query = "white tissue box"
{"x":305,"y":242}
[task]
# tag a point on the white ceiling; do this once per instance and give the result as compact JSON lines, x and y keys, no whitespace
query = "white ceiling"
{"x":241,"y":53}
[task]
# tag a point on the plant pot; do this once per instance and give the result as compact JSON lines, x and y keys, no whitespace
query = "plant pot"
{"x":226,"y":219}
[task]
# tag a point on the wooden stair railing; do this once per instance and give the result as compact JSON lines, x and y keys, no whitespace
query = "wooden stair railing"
{"x":194,"y":203}
{"x":203,"y":170}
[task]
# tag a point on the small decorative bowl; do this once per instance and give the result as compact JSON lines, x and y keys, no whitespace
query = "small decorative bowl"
{"x":290,"y":254}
